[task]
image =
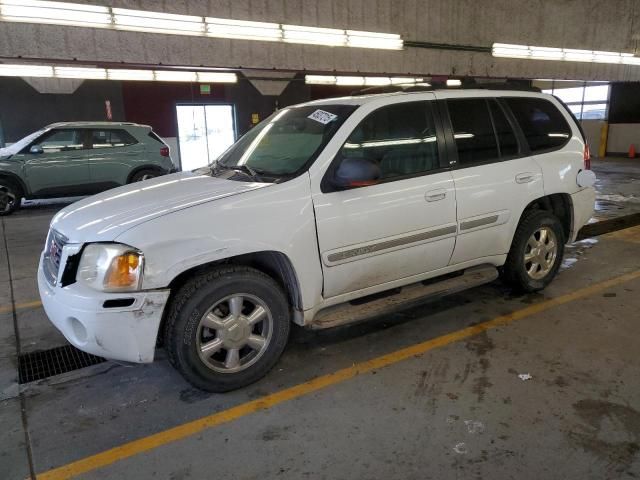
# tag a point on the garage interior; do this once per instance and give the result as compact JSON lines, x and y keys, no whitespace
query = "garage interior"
{"x":484,"y":383}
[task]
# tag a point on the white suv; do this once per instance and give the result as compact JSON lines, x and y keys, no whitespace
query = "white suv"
{"x":321,"y":204}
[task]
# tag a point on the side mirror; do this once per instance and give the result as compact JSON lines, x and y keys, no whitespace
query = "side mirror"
{"x":356,"y":172}
{"x":37,"y":149}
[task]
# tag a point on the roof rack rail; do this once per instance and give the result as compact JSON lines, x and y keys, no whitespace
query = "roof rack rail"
{"x":410,"y":87}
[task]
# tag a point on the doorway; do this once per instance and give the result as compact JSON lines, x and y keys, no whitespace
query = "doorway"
{"x":204,"y":132}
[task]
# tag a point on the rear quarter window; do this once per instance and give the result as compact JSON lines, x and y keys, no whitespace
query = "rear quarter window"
{"x":543,"y":125}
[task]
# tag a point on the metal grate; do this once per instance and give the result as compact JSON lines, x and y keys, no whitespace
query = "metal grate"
{"x":47,"y":363}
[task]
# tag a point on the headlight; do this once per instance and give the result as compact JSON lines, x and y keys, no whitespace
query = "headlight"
{"x":111,"y":267}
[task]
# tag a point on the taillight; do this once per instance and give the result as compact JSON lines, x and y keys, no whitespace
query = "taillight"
{"x":587,"y":157}
{"x":164,"y":151}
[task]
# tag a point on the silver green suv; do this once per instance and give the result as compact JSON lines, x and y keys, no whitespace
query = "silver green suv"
{"x":79,"y":158}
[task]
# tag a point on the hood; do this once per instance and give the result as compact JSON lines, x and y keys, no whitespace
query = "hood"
{"x":105,"y":216}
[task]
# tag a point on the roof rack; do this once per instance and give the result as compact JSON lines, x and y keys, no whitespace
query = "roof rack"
{"x":410,"y":87}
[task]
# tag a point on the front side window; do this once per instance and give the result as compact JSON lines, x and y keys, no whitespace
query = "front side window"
{"x":285,"y":143}
{"x":400,"y":138}
{"x":541,"y":122}
{"x":473,"y":131}
{"x":111,"y":138}
{"x":62,"y":140}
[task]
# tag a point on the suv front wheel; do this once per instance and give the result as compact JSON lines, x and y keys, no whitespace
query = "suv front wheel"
{"x":536,"y":252}
{"x":227,"y":328}
{"x":10,"y":196}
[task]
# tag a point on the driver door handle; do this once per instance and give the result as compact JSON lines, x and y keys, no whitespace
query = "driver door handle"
{"x":435,"y":195}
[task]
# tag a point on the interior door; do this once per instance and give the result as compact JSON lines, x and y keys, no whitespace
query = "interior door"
{"x":61,"y":167}
{"x":403,"y":226}
{"x":495,"y":177}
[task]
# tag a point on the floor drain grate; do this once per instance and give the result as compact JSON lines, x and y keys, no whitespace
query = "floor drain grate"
{"x":47,"y":363}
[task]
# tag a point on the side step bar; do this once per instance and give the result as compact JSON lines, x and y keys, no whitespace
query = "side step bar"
{"x":410,"y":295}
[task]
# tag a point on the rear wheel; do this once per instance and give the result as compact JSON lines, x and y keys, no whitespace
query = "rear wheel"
{"x":144,"y":175}
{"x":227,"y":328}
{"x":536,"y":252}
{"x":10,"y":196}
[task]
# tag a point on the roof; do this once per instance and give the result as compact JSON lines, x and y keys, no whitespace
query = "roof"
{"x":96,"y":124}
{"x":363,"y":98}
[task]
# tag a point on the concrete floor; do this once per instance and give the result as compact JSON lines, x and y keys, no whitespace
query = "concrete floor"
{"x":456,"y":411}
{"x":618,"y":186}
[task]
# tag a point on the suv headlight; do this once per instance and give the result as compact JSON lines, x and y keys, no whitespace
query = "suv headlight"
{"x":111,"y":267}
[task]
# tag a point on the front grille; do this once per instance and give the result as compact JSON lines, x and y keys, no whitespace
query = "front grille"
{"x":53,"y":255}
{"x":47,"y":363}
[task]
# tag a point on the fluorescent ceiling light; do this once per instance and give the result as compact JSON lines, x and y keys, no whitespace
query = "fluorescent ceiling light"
{"x":388,"y":41}
{"x":226,"y":28}
{"x":122,"y":74}
{"x":316,"y":36}
{"x":217,"y":77}
{"x":77,"y":14}
{"x":59,"y":13}
{"x":356,"y":80}
{"x":175,"y":76}
{"x":377,"y":81}
{"x":506,"y":50}
{"x":80,"y":72}
{"x":141,"y":20}
{"x":26,"y":70}
{"x":349,"y":81}
{"x":453,"y":82}
{"x":401,"y":80}
{"x":320,"y":79}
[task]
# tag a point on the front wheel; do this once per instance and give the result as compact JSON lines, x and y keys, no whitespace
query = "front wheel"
{"x":142,"y":175}
{"x":10,"y":197}
{"x":227,"y":328}
{"x":536,"y":252}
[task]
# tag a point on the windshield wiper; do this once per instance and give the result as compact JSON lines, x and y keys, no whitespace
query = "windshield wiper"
{"x":245,"y":169}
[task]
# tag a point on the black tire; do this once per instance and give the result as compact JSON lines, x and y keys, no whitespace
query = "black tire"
{"x":514,"y":271}
{"x":10,"y":196}
{"x":183,"y":333}
{"x":145,"y":174}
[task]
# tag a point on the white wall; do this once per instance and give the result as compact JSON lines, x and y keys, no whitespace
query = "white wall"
{"x":622,"y":135}
{"x":173,"y":148}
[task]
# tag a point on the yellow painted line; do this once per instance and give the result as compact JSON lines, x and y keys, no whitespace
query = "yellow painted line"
{"x":185,"y":430}
{"x":20,"y":306}
{"x":631,"y":234}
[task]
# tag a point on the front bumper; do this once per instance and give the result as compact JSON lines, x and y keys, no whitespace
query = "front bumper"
{"x":121,"y":333}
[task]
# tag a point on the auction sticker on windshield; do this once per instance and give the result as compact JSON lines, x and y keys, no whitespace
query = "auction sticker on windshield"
{"x":322,"y":116}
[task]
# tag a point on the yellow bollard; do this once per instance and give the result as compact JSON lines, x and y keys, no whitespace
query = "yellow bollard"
{"x":604,"y":134}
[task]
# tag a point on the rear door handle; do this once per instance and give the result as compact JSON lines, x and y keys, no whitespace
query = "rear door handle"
{"x":435,"y":195}
{"x":525,"y":177}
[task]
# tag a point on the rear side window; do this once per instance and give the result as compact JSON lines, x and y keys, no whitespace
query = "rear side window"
{"x":472,"y":131}
{"x":542,"y":123}
{"x":110,"y":138}
{"x":400,"y":138}
{"x":156,"y":137}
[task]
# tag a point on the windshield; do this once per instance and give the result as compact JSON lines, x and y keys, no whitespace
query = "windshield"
{"x":20,"y":144}
{"x":287,"y":142}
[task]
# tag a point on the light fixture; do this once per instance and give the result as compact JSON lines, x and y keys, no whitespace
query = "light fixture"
{"x":507,"y":50}
{"x":81,"y":15}
{"x":26,"y":70}
{"x":93,"y":73}
{"x":388,"y":41}
{"x":58,"y":13}
{"x":175,"y":76}
{"x":226,"y":28}
{"x":330,"y":37}
{"x":357,"y":80}
{"x":454,"y":82}
{"x":122,"y":74}
{"x":85,"y":73}
{"x":141,"y":20}
{"x":217,"y":77}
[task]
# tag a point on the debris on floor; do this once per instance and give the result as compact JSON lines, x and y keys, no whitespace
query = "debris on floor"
{"x":474,"y":426}
{"x":460,"y":448}
{"x":525,"y":376}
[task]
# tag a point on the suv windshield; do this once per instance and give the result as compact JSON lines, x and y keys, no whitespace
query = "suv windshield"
{"x":20,"y":144}
{"x":287,"y":142}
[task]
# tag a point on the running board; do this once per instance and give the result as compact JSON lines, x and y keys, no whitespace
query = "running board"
{"x":408,"y":296}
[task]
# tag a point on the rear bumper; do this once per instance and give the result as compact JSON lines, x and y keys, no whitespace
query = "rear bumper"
{"x":127,"y":334}
{"x":583,"y":207}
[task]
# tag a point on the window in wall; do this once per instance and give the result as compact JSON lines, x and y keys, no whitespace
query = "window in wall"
{"x":587,"y":102}
{"x":111,"y":138}
{"x":473,"y":131}
{"x":541,"y":122}
{"x":400,"y":138}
